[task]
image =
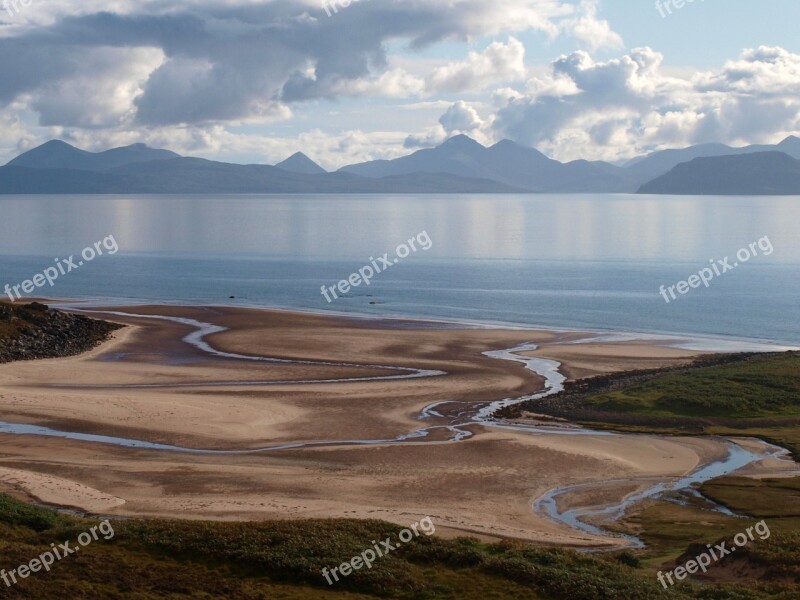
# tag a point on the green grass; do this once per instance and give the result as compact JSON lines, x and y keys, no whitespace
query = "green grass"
{"x":150,"y":559}
{"x":761,"y":388}
{"x":763,"y":498}
{"x":757,"y":398}
{"x":674,"y":534}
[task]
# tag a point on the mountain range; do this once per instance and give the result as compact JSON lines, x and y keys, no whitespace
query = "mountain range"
{"x":459,"y":165}
{"x":59,"y":168}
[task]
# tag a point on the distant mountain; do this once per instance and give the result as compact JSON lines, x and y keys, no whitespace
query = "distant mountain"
{"x":756,"y":174}
{"x":790,"y":146}
{"x":199,"y":176}
{"x":60,"y":155}
{"x":646,"y":168}
{"x":300,"y":163}
{"x":507,"y":162}
{"x":460,"y":155}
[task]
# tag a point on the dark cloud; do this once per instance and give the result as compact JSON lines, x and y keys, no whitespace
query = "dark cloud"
{"x":222,"y":63}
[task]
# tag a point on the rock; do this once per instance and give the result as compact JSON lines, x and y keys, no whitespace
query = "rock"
{"x":36,"y":331}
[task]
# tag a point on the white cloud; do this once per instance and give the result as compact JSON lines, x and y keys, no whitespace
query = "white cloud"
{"x":628,"y":105}
{"x":498,"y":64}
{"x":461,"y":118}
{"x":592,"y":32}
{"x":396,"y":83}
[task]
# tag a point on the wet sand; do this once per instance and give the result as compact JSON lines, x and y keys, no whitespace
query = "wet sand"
{"x":484,"y":485}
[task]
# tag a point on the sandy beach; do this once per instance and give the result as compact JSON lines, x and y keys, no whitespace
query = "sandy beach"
{"x":147,"y":384}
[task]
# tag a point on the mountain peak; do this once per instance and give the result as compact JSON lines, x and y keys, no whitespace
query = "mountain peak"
{"x":56,"y":144}
{"x":53,"y":154}
{"x":509,"y":150}
{"x":462,"y":140}
{"x":300,"y":163}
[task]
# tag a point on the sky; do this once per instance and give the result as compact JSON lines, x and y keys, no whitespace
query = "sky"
{"x":255,"y":81}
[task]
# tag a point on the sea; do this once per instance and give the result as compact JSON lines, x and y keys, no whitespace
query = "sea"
{"x":585,"y":262}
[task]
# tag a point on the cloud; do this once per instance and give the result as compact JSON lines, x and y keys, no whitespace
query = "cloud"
{"x":628,"y":105}
{"x":202,"y":62}
{"x":460,"y":117}
{"x":592,"y":32}
{"x":499,"y":63}
{"x":99,"y":92}
{"x":396,"y":83}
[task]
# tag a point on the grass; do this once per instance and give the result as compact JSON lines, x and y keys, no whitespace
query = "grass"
{"x":761,"y":388}
{"x":16,"y":319}
{"x":756,"y":398}
{"x":150,"y":559}
{"x":769,"y":566}
{"x":763,"y":498}
{"x":759,"y":397}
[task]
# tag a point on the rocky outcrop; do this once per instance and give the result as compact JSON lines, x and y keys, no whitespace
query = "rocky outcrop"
{"x":32,"y":331}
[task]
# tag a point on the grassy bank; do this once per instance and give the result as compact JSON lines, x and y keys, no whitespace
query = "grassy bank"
{"x":742,"y":395}
{"x":676,"y":533}
{"x":177,"y":559}
{"x":752,"y":395}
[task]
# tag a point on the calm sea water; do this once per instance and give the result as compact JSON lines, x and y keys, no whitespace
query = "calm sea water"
{"x":574,"y":261}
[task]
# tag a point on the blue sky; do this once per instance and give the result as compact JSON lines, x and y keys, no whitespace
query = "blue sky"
{"x":706,"y":33}
{"x":255,"y":81}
